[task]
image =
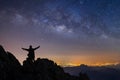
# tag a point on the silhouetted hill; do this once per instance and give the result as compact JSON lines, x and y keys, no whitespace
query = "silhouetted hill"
{"x":40,"y":69}
{"x":117,"y":66}
{"x":95,"y":73}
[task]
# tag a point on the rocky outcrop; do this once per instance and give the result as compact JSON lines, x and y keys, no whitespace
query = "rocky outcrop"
{"x":9,"y":65}
{"x":40,"y":69}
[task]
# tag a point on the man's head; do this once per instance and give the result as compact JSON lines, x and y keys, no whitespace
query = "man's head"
{"x":30,"y":46}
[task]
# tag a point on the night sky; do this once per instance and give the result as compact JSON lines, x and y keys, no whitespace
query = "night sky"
{"x":70,"y":32}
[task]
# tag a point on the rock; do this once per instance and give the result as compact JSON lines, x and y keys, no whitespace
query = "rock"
{"x":40,"y":69}
{"x":3,"y":55}
{"x":9,"y":67}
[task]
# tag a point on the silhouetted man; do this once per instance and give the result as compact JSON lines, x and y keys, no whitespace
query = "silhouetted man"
{"x":31,"y":54}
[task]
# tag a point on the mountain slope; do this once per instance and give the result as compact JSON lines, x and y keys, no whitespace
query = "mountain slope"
{"x":40,"y":69}
{"x":95,"y":73}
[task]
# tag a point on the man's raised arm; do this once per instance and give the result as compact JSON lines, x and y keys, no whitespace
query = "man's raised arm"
{"x":36,"y":47}
{"x":25,"y":49}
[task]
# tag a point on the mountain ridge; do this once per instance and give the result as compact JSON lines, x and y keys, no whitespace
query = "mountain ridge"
{"x":40,"y":69}
{"x":95,"y":72}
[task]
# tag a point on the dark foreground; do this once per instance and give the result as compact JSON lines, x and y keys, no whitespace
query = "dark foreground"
{"x":40,"y":69}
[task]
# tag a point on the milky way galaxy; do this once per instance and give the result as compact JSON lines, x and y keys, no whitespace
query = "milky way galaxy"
{"x":69,"y":31}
